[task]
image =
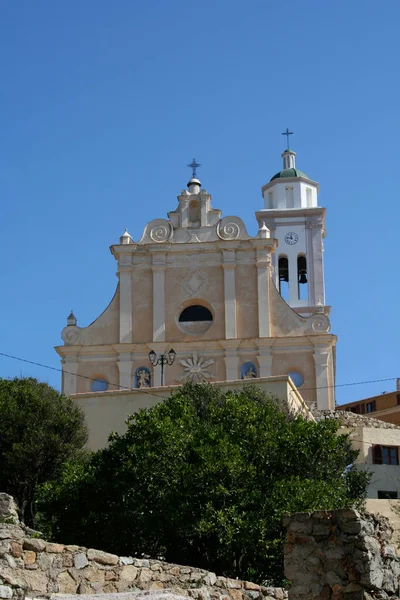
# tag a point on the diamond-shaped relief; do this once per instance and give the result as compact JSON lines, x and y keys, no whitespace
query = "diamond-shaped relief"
{"x":193,"y":282}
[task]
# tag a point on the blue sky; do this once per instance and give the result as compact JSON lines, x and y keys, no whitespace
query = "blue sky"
{"x":104,"y":103}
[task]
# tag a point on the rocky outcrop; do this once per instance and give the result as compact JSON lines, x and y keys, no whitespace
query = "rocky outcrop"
{"x":340,"y":555}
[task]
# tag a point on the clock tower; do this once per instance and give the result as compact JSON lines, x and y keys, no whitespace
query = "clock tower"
{"x":292,"y":214}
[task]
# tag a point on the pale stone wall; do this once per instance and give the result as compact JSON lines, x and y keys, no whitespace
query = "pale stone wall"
{"x":340,"y":555}
{"x":107,"y":412}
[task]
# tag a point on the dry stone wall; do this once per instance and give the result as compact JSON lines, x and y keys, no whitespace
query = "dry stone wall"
{"x":340,"y":555}
{"x":34,"y":567}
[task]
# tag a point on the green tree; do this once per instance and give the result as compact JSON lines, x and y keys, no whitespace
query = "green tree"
{"x":39,"y":431}
{"x":204,"y":478}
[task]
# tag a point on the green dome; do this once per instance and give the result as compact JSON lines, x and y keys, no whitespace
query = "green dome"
{"x":289,"y":173}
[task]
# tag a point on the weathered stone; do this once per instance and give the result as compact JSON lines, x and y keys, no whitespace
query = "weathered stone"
{"x":66,"y":583}
{"x":15,"y":549}
{"x":248,"y":585}
{"x":166,"y":577}
{"x":145,"y":576}
{"x":80,"y":560}
{"x":29,"y":557}
{"x":233,"y":584}
{"x":110,"y":576}
{"x":33,"y":544}
{"x":196,"y":576}
{"x":210,"y":579}
{"x":279,"y":593}
{"x":109,"y":588}
{"x":141,"y":562}
{"x":126,"y":560}
{"x":11,"y":532}
{"x":175,"y":571}
{"x":8,"y":508}
{"x":67,"y":559}
{"x":236,"y":594}
{"x":36,"y":581}
{"x":128,"y":573}
{"x":156,"y":585}
{"x":93,"y":574}
{"x":104,"y":558}
{"x":54,"y":548}
{"x":5,"y":590}
{"x":71,"y":548}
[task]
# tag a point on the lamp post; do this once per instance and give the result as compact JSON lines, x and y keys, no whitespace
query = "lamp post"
{"x":163,"y":360}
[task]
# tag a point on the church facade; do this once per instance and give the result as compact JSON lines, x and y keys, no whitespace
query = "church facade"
{"x":231,"y":306}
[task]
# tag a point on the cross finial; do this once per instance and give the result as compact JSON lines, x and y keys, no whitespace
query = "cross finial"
{"x":287,"y":133}
{"x":194,"y":166}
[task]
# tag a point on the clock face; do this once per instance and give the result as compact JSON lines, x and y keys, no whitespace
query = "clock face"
{"x":291,"y":238}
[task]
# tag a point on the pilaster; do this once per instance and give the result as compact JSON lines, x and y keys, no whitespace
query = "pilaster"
{"x":125,"y":370}
{"x":263,"y":283}
{"x":322,"y":359}
{"x":125,"y":301}
{"x":315,"y":228}
{"x":231,"y":360}
{"x":229,"y":265}
{"x":70,"y":370}
{"x":265,"y":358}
{"x":158,"y":268}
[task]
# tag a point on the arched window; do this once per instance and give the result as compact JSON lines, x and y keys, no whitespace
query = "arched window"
{"x":302,"y":277}
{"x":194,"y":213}
{"x":283,"y":269}
{"x":142,"y":377}
{"x":99,"y":385}
{"x":248,"y":370}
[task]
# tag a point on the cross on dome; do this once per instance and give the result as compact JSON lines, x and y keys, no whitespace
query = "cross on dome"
{"x":287,"y":133}
{"x":194,"y":165}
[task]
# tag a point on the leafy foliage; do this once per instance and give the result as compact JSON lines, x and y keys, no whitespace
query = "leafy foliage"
{"x":39,"y":431}
{"x":204,"y":478}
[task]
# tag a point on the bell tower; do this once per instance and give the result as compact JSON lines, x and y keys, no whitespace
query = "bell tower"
{"x":292,"y":214}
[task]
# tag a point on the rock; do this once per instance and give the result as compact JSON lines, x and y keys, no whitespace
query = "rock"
{"x":33,"y":544}
{"x":248,"y":585}
{"x":141,"y":562}
{"x":54,"y":548}
{"x":104,"y":558}
{"x":8,"y":508}
{"x":210,"y":579}
{"x":156,"y":585}
{"x":126,"y":560}
{"x":29,"y":557}
{"x":233,"y":584}
{"x":66,"y":583}
{"x":132,"y":595}
{"x":145,"y":576}
{"x":11,"y":532}
{"x":128,"y":573}
{"x":15,"y":549}
{"x":80,"y":560}
{"x":235,"y":594}
{"x":174,"y":571}
{"x":36,"y":581}
{"x":5,"y":591}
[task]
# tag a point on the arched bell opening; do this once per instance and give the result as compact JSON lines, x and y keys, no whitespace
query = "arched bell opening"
{"x":283,"y":270}
{"x":302,"y":277}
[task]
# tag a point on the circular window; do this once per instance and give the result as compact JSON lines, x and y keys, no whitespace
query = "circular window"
{"x":195,"y":319}
{"x":99,"y":385}
{"x":297,"y":378}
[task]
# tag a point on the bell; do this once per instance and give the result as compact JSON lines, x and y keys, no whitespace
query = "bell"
{"x":283,"y":275}
{"x":303,"y":276}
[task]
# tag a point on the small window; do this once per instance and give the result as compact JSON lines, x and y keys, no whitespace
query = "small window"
{"x":384,"y":495}
{"x":289,"y":197}
{"x":309,"y":197}
{"x":99,"y":385}
{"x":302,"y":277}
{"x":385,"y":455}
{"x":370,"y":407}
{"x":398,"y":399}
{"x":194,"y":213}
{"x":283,"y":269}
{"x":297,"y":378}
{"x":195,"y":313}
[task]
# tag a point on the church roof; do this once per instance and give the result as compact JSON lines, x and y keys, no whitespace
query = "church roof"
{"x":291,"y":172}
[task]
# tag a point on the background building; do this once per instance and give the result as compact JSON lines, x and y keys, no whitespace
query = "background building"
{"x":385,"y":407}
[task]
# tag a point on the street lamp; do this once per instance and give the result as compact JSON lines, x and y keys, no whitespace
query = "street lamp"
{"x":162,"y":359}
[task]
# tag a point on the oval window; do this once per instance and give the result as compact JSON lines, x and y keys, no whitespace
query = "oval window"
{"x":195,"y":319}
{"x":297,"y":378}
{"x":99,"y":385}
